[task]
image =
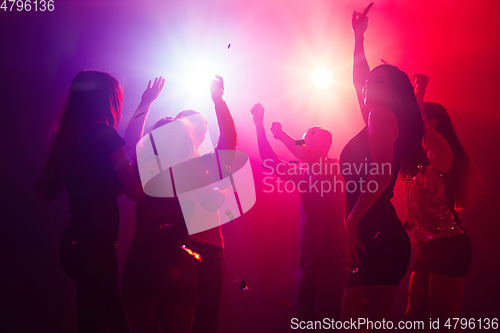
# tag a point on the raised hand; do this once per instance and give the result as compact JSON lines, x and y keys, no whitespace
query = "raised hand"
{"x":217,"y":88}
{"x":276,"y":129}
{"x":421,"y":81}
{"x":360,"y":21}
{"x":258,"y":114}
{"x":152,"y":91}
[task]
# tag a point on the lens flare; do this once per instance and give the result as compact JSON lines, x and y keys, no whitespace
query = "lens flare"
{"x":321,"y":77}
{"x":198,"y":80}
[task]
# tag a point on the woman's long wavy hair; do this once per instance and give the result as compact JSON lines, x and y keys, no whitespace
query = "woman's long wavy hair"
{"x":411,"y":125}
{"x":462,"y":169}
{"x":94,"y":97}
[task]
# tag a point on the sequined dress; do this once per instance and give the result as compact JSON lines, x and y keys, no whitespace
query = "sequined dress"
{"x":430,"y":212}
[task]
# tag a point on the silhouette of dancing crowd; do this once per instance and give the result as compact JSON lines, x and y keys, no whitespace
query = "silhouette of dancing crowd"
{"x":353,"y":248}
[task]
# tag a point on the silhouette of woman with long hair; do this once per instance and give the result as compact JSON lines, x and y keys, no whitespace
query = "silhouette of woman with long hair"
{"x":88,"y":159}
{"x":445,"y":183}
{"x":388,"y":146}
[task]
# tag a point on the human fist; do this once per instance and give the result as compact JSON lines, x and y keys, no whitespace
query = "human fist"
{"x":217,"y":88}
{"x":258,"y":114}
{"x":360,"y":21}
{"x":276,"y":129}
{"x":421,"y":81}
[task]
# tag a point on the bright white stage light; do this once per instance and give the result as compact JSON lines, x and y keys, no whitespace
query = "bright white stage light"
{"x":199,"y":79}
{"x":321,"y":77}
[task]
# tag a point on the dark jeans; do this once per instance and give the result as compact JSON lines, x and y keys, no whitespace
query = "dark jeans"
{"x":210,"y":273}
{"x":93,"y":268}
{"x":320,"y":289}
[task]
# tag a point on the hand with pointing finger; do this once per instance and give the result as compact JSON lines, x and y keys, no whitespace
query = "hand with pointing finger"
{"x":360,"y":21}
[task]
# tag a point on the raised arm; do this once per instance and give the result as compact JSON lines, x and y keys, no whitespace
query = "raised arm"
{"x":296,"y":147}
{"x":360,"y":69}
{"x":227,"y":137}
{"x":269,"y":157}
{"x":439,"y":151}
{"x":135,"y":127}
{"x":421,"y":81}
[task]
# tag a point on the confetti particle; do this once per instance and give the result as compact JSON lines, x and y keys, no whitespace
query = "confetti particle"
{"x":140,"y":114}
{"x":243,"y":285}
{"x":286,"y":304}
{"x":229,"y":46}
{"x":74,"y":243}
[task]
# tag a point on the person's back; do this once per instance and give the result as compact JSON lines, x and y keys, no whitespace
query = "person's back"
{"x":87,"y":158}
{"x":322,"y":233}
{"x":92,"y":184}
